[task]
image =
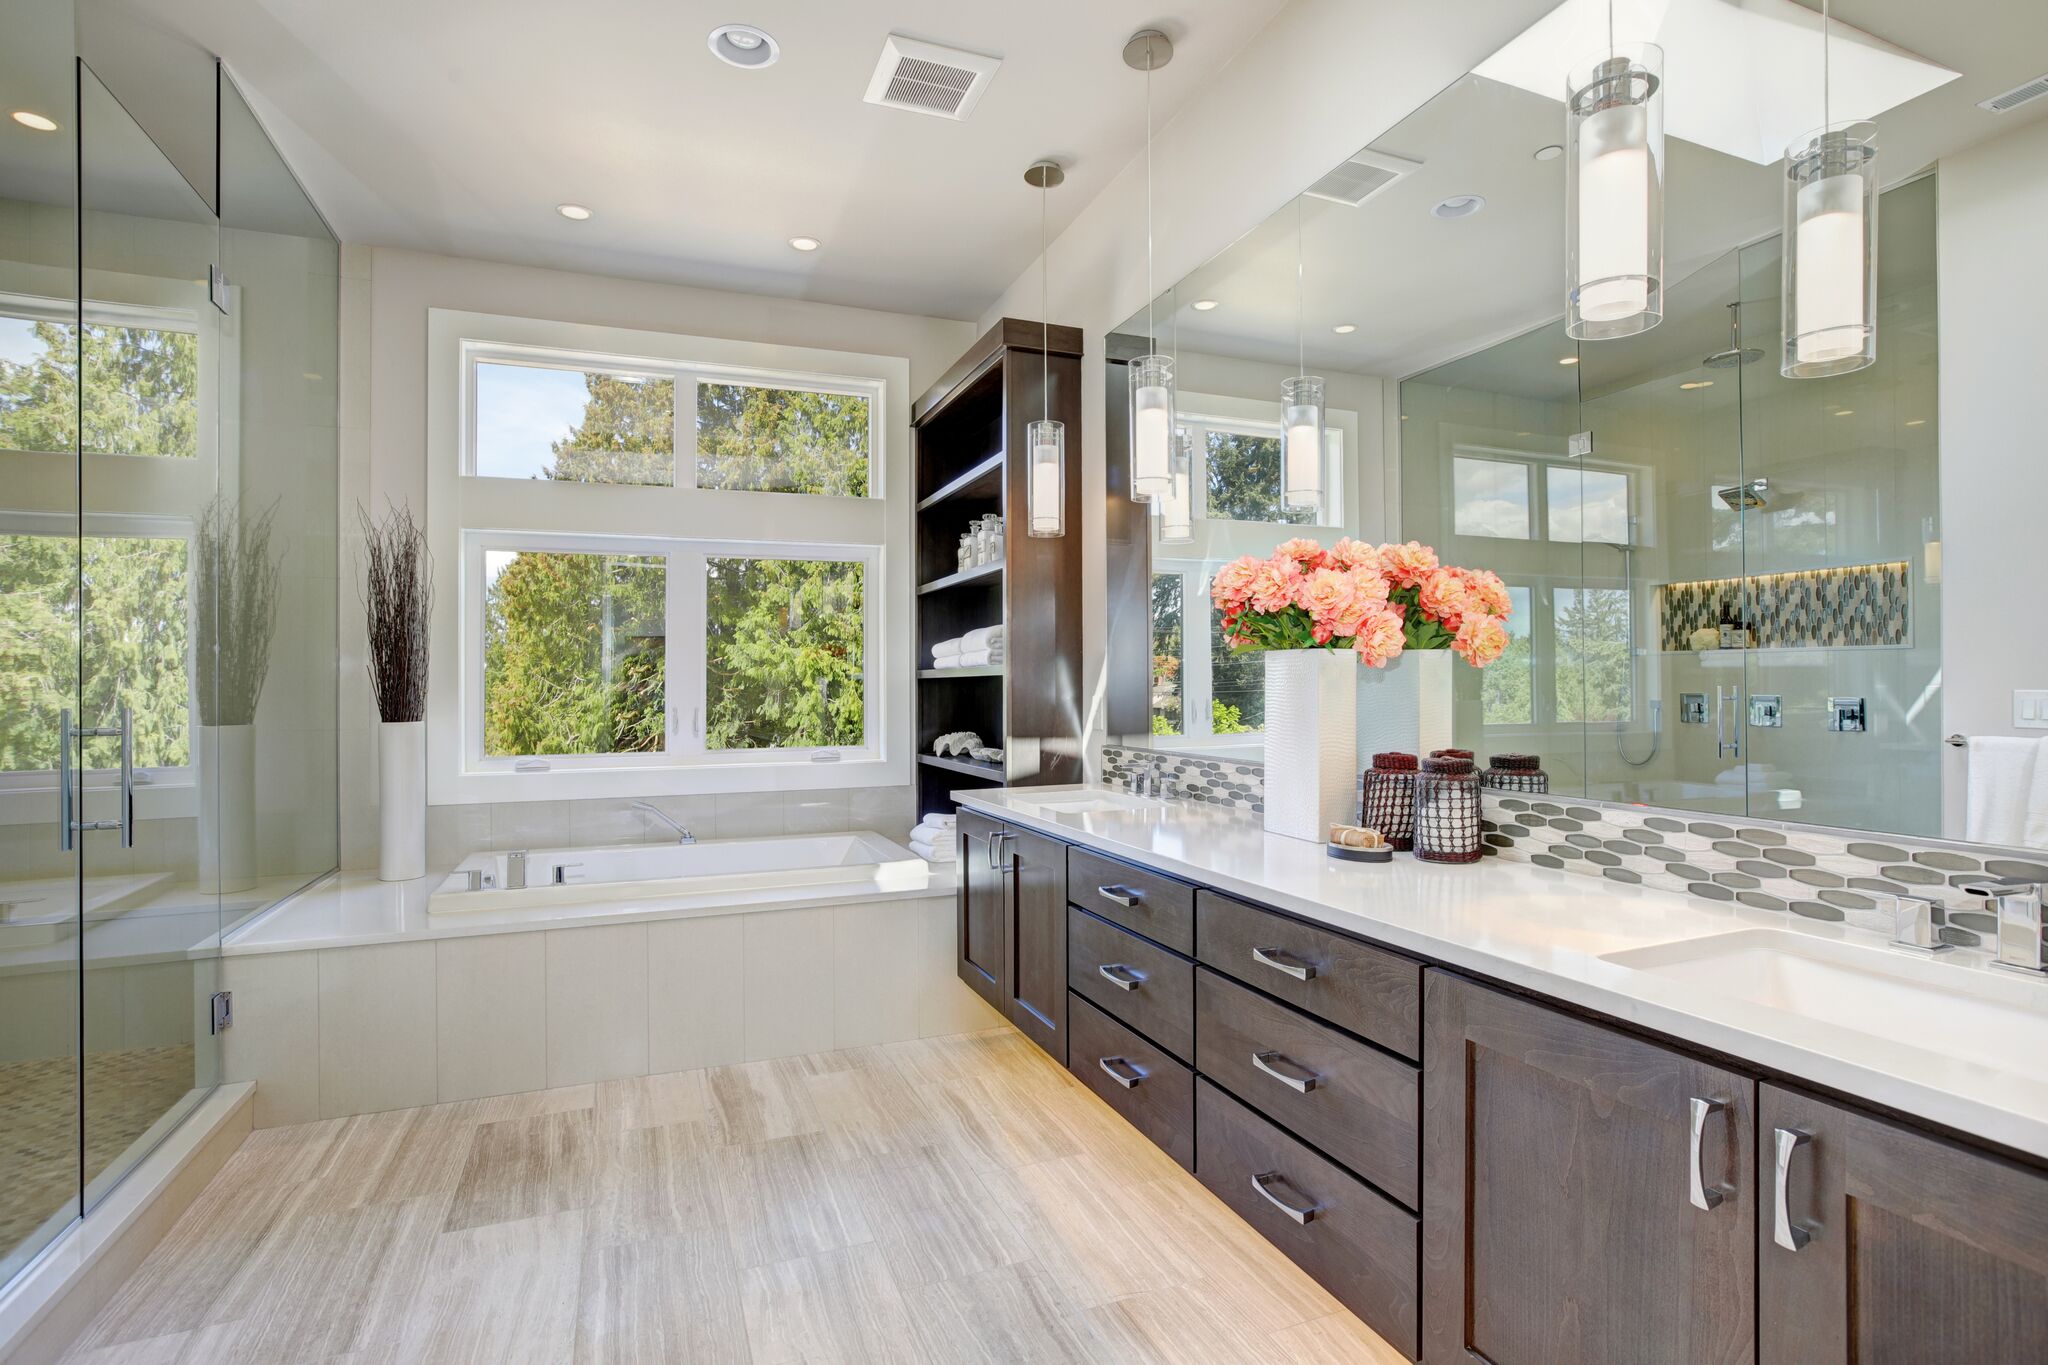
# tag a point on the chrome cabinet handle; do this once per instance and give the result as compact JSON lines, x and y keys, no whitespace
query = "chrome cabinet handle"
{"x":1119,"y":976}
{"x":1265,"y":1184}
{"x":1301,"y":1083}
{"x":1703,"y":1195}
{"x":1122,"y":895}
{"x":995,"y":850}
{"x":1121,"y":1071}
{"x":1280,"y":960}
{"x":1784,"y":1231}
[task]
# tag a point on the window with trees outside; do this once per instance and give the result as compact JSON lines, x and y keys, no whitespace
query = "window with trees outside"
{"x":1199,"y":688}
{"x":667,"y":563}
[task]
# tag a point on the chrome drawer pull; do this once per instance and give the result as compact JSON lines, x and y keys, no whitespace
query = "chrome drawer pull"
{"x":1128,"y":1077}
{"x":1280,"y":960}
{"x":1703,"y":1195}
{"x":1122,"y":895}
{"x":1119,"y":976}
{"x":1784,"y":1231}
{"x":1264,"y":1185}
{"x":1301,"y":1083}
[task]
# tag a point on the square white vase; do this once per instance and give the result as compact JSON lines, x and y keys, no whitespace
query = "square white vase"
{"x":1406,"y":707}
{"x":1311,"y":741}
{"x":401,"y":800}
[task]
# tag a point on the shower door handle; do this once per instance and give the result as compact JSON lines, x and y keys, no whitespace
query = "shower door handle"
{"x":67,"y":778}
{"x":67,"y":814}
{"x":1725,"y":745}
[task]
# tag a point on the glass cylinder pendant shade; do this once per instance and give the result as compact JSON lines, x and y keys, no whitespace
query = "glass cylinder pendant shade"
{"x":1151,"y":425}
{"x":1046,"y":493}
{"x":1177,"y":504}
{"x":1830,"y":270}
{"x":1301,"y":458}
{"x":1614,"y":193}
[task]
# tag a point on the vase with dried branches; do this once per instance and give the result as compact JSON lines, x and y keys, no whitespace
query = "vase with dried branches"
{"x":398,"y":602}
{"x":235,"y":580}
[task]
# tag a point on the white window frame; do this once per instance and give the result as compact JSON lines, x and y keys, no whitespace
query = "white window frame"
{"x":468,"y":514}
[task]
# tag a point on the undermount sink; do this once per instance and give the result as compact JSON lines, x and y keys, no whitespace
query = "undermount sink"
{"x":1087,"y":803}
{"x":1964,"y":1011}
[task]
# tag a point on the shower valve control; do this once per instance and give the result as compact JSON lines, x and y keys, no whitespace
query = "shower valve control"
{"x":1692,"y":708}
{"x":1848,"y":715}
{"x":1766,"y":712}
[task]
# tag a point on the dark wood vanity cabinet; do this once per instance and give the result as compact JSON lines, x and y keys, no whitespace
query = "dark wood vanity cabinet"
{"x":1588,"y":1196}
{"x":1890,"y":1247}
{"x":981,"y":931}
{"x":1012,"y":930}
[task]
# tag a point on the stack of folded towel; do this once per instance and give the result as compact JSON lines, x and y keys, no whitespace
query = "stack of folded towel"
{"x":936,"y":838}
{"x":976,"y":649}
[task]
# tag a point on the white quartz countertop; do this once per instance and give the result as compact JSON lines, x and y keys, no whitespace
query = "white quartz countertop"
{"x":1546,"y":932}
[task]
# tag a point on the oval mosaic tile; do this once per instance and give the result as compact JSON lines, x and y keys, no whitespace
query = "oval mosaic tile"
{"x":1531,"y":819}
{"x":1664,"y":854}
{"x":1946,"y":861}
{"x":1498,"y":840}
{"x":1603,"y":859}
{"x":1762,"y":838}
{"x":1913,"y":876}
{"x":1545,"y":860}
{"x":1876,"y":884}
{"x":1513,"y":831}
{"x":1970,"y":919}
{"x":1757,"y":900}
{"x":1790,"y":857}
{"x":1848,"y":900}
{"x":1513,"y":803}
{"x":1814,"y":876}
{"x":1664,"y":824}
{"x":1687,"y":871}
{"x":1877,"y":853}
{"x":1622,"y":848}
{"x":1764,"y":871}
{"x":1582,"y":840}
{"x":1564,"y":822}
{"x":1815,"y":910}
{"x":1565,"y":851}
{"x":1622,"y":874}
{"x":1711,"y":831}
{"x":2012,"y":867}
{"x":1642,"y":836}
{"x":1709,"y":891}
{"x":1585,"y":813}
{"x":1736,"y":850}
{"x":1740,"y":880}
{"x":1961,"y":938}
{"x":1547,"y":808}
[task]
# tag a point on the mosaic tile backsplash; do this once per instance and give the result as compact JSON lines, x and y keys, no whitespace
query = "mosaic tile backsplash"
{"x":1866,"y":604}
{"x":1220,"y":782}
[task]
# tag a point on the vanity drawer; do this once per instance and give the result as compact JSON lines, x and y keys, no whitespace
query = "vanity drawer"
{"x":1143,"y":901}
{"x":1138,"y":982}
{"x":1370,"y":991}
{"x":1346,"y":1097}
{"x":1356,"y":1243}
{"x":1154,"y":1093}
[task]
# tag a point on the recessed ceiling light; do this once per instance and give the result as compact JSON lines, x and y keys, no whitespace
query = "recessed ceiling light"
{"x":1345,"y":329}
{"x":1697,"y":384}
{"x":574,"y":212}
{"x":1204,"y":305}
{"x":1459,"y":206}
{"x":1845,"y":412}
{"x":743,"y":45}
{"x":1917,"y":422}
{"x":804,"y":243}
{"x":1568,"y":360}
{"x":28,"y":118}
{"x":1549,"y":153}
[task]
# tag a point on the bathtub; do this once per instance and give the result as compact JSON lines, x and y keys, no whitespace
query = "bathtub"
{"x":583,"y":876}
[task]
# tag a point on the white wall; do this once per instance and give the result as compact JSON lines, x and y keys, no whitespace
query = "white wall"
{"x":385,"y":297}
{"x":1994,"y":444}
{"x":1322,"y":80}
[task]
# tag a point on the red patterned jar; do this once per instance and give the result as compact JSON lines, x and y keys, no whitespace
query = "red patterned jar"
{"x":1447,"y":810}
{"x":1515,"y":773}
{"x":1386,"y":799}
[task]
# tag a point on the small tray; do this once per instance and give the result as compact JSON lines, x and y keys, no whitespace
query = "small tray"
{"x":1360,"y":855}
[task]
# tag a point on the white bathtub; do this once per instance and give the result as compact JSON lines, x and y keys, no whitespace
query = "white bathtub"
{"x":582,"y":876}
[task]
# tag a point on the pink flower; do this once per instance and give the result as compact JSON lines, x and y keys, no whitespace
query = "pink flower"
{"x":1488,"y":593}
{"x":1303,"y":551}
{"x":1445,"y":597}
{"x":1368,"y":582}
{"x":1354,"y":554}
{"x":1327,"y":596}
{"x":1380,"y":639}
{"x":1271,"y":587}
{"x":1407,"y":564}
{"x":1232,"y":583}
{"x":1481,"y":639}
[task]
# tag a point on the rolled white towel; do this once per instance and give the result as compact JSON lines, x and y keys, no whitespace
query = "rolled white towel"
{"x":980,"y":658}
{"x":945,"y":647}
{"x":980,"y":638}
{"x":935,"y":838}
{"x":940,"y":821}
{"x":948,"y":661}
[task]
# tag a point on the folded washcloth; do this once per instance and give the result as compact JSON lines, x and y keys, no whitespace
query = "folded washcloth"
{"x":945,"y":647}
{"x":980,"y":658}
{"x":938,"y":821}
{"x":931,"y":854}
{"x":947,"y":661}
{"x":980,"y":639}
{"x":935,"y":838}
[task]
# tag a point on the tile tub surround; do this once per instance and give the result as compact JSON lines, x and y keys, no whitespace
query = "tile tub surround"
{"x":1546,"y":930}
{"x":1239,"y":784}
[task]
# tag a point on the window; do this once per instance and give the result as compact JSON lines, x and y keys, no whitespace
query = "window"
{"x":1593,"y":647}
{"x":1237,"y":685}
{"x":1200,"y":690}
{"x":1169,"y":652}
{"x":1490,"y":498}
{"x":635,"y":616}
{"x":1587,"y":504}
{"x":141,"y":391}
{"x":1507,"y":687}
{"x":1244,"y":478}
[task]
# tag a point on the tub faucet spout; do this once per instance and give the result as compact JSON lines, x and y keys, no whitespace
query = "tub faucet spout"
{"x":653,"y":812}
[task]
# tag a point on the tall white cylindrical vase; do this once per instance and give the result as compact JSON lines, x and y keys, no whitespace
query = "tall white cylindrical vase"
{"x":224,"y":763}
{"x":401,"y":800}
{"x":1311,"y":741}
{"x":1406,"y":706}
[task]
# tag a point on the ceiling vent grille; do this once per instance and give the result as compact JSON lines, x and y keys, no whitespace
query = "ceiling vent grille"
{"x":1360,"y":178}
{"x":928,"y":79}
{"x":2015,"y":97}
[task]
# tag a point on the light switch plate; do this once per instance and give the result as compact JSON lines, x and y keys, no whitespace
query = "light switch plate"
{"x":2029,"y":710}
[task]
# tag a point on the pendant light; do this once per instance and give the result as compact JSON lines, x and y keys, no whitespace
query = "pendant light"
{"x":1176,"y":506}
{"x":1045,"y":490}
{"x":1151,"y":376}
{"x":1829,"y":285}
{"x":1301,"y":401}
{"x":1614,"y":190}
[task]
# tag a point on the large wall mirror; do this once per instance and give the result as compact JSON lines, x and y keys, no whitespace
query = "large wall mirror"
{"x":1802,"y":599}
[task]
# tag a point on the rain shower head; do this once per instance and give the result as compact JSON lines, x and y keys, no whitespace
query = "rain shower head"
{"x":1729,"y":359}
{"x":1743,"y":497}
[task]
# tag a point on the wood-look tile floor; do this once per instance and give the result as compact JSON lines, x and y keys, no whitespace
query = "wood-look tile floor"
{"x":946,"y":1200}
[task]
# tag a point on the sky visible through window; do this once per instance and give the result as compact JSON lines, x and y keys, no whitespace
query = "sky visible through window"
{"x":522,"y":413}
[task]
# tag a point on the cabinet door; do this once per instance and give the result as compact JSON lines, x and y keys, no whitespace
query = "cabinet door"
{"x":983,"y":902}
{"x":1563,"y":1177}
{"x":1037,"y":1000}
{"x":1904,"y":1250}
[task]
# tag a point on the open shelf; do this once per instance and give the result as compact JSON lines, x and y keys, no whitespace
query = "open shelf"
{"x":983,"y":481}
{"x":979,"y":671}
{"x":978,"y":574}
{"x":972,"y":767}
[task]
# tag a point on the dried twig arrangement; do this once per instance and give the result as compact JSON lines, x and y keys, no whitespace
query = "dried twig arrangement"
{"x":398,"y":599}
{"x":235,"y":582}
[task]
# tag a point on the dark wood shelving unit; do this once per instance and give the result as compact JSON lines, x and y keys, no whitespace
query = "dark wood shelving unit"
{"x":968,"y":437}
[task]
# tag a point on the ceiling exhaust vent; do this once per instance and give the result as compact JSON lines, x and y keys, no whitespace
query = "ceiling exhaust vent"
{"x":2015,"y":97}
{"x":1362,"y":177}
{"x":928,"y":79}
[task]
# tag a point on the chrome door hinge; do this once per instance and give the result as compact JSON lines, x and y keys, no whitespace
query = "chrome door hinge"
{"x":217,"y":287}
{"x":223,"y":1010}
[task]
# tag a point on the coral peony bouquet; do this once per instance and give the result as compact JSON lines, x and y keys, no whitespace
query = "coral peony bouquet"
{"x":1376,"y":600}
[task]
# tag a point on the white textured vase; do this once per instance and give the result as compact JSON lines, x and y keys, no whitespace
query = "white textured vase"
{"x":401,"y":800}
{"x":1406,"y":706}
{"x":224,"y":763}
{"x":1311,"y":741}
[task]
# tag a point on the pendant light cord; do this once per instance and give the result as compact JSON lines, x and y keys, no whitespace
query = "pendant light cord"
{"x":1300,"y":308}
{"x":1044,"y":316}
{"x":1827,"y":93}
{"x":1151,"y":293}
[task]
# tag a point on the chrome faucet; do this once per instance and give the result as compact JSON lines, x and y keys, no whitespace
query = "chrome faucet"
{"x":1151,"y":780}
{"x":515,"y":871}
{"x":1913,"y":926}
{"x":2022,"y":943}
{"x":648,"y":808}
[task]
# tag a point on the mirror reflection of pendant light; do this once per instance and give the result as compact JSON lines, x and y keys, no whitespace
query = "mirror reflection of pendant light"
{"x":1829,"y":284}
{"x":1614,"y":190}
{"x":1176,"y":506}
{"x":1151,"y":376}
{"x":1045,"y":490}
{"x":1301,"y":400}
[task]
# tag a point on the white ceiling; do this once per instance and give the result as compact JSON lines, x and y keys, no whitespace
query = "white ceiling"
{"x":456,"y":126}
{"x":1422,"y":290}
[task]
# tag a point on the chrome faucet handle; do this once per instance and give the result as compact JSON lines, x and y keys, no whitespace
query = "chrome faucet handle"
{"x":1913,"y":926}
{"x":2022,"y":942}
